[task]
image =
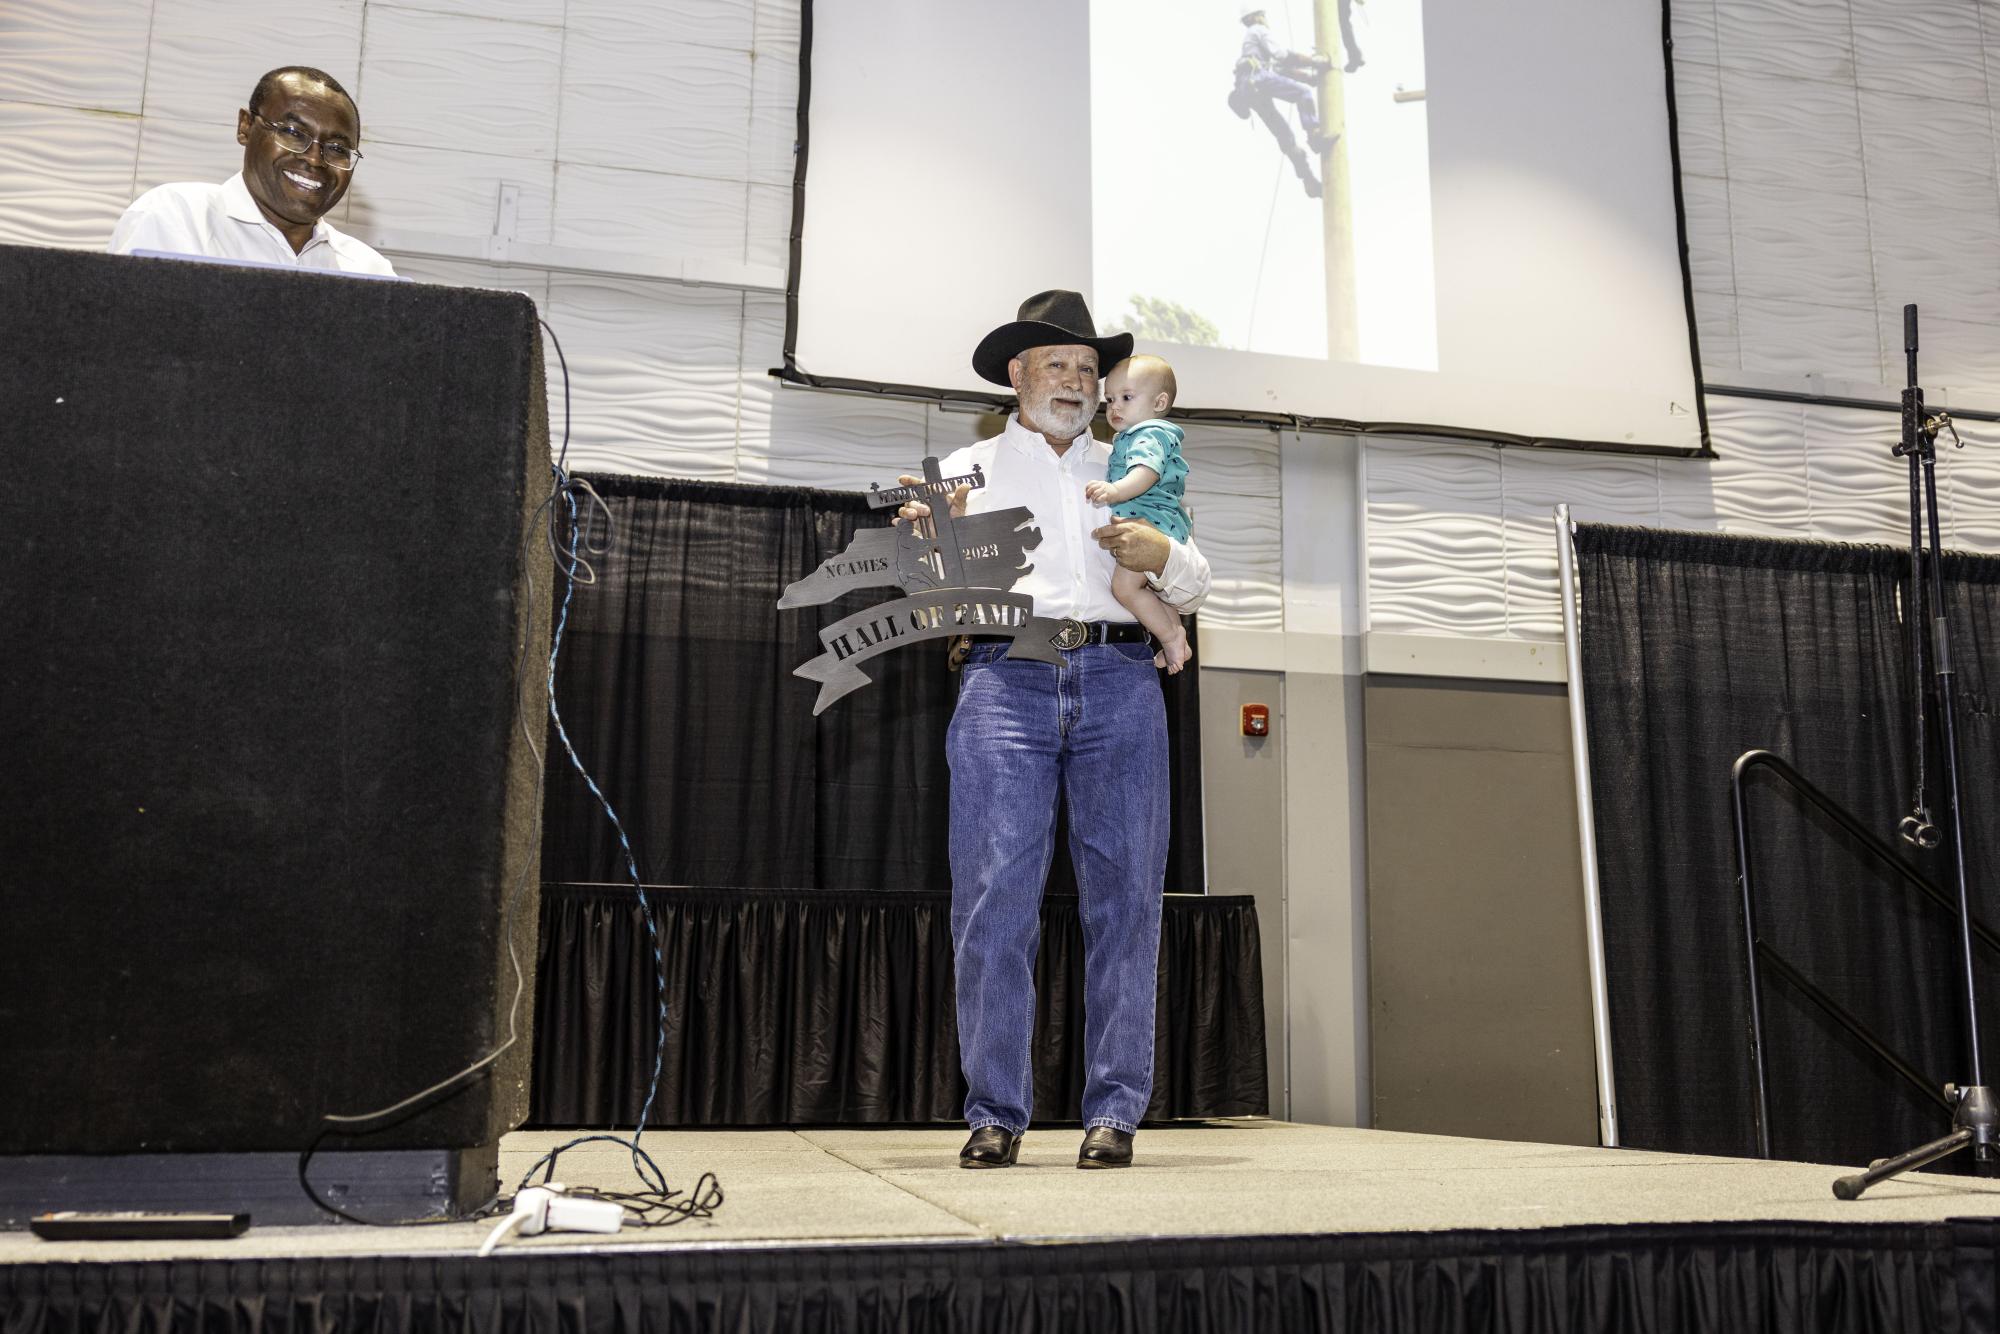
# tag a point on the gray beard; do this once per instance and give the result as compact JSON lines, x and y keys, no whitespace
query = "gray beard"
{"x":1044,"y":417}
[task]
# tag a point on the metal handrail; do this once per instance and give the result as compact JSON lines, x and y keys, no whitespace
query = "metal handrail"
{"x":1890,"y":1057}
{"x":1882,"y":852}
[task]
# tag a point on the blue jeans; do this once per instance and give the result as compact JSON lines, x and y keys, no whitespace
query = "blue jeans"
{"x":1282,"y":88}
{"x":1095,"y":731}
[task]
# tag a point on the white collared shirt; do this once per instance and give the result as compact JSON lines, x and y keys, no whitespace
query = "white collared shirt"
{"x":1072,"y":574}
{"x":223,"y":222}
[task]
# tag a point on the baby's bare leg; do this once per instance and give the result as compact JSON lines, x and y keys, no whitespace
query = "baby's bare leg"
{"x":1137,"y":596}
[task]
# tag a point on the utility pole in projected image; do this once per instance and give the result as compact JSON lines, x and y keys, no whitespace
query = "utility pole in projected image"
{"x":1342,"y":343}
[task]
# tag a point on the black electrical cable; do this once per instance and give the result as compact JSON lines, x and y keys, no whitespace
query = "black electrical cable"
{"x":659,"y":1198}
{"x":659,"y":1205}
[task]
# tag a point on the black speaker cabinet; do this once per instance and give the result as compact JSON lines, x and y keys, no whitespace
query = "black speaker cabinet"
{"x":264,"y":788}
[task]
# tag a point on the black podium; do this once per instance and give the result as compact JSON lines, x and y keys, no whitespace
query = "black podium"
{"x":264,"y":785}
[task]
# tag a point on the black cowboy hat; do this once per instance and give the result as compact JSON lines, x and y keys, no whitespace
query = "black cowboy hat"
{"x":1055,"y":318}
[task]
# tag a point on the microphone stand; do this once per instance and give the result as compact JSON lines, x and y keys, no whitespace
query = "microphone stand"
{"x":1975,"y":1119}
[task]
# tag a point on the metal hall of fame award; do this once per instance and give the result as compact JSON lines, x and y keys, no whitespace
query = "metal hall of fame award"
{"x":956,"y":574}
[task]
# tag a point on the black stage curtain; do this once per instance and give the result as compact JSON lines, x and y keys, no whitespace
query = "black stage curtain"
{"x":1874,"y":1278}
{"x":675,"y":683}
{"x":1696,"y":648}
{"x":836,"y":1009}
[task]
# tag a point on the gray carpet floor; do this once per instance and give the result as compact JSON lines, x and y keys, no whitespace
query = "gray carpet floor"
{"x":809,"y":1187}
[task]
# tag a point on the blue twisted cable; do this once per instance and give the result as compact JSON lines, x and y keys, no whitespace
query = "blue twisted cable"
{"x":640,"y":1161}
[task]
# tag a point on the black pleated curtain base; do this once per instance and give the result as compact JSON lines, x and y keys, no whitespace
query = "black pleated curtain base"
{"x":1839,"y":1279}
{"x":828,"y":1008}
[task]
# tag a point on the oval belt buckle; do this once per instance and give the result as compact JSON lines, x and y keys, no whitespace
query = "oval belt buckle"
{"x":1073,"y":634}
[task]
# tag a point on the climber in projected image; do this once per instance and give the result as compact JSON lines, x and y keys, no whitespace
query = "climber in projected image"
{"x":1347,"y":42}
{"x":1267,"y":74}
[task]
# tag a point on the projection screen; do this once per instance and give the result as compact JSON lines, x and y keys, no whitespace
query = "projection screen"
{"x":1448,"y":217}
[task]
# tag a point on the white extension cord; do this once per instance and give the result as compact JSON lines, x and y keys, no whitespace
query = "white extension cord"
{"x":547,"y":1209}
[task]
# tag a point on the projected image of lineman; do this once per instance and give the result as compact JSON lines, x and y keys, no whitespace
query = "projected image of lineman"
{"x":1267,"y":74}
{"x":1284,"y":208}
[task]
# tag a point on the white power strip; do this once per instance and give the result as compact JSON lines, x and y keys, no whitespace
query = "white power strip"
{"x":547,"y":1209}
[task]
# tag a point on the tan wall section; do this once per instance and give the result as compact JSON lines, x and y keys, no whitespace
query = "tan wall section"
{"x":1479,"y":981}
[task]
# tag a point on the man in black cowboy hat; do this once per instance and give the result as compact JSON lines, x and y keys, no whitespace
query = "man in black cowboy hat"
{"x":1092,"y":730}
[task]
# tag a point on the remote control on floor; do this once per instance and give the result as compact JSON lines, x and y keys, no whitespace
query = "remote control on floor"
{"x":135,"y":1225}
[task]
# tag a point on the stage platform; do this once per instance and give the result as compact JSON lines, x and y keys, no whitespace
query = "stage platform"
{"x":1219,"y":1225}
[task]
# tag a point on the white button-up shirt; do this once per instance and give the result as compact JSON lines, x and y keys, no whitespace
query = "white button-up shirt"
{"x":1072,"y":574}
{"x":223,"y":222}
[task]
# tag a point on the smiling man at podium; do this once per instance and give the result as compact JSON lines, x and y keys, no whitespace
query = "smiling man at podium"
{"x":300,"y":137}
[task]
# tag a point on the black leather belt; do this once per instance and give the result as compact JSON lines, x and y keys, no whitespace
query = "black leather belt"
{"x":1076,"y":634}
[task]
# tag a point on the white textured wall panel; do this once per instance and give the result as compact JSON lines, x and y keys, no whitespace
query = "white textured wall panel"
{"x":1758,"y":482}
{"x":1927,"y":147}
{"x":770,"y":230}
{"x":1989,"y":35}
{"x":450,"y":81}
{"x":1698,"y":112}
{"x":403,"y":187}
{"x":638,"y":94}
{"x":1969,"y":487}
{"x":1788,"y":240}
{"x":1532,"y":484}
{"x":646,"y":213}
{"x":530,"y":282}
{"x":1808,"y":338}
{"x":774,"y":103}
{"x":1785,"y":470}
{"x":1234,"y":477}
{"x":1436,"y":542}
{"x":1929,"y":44}
{"x":955,"y":428}
{"x":842,"y":442}
{"x":1806,"y":39}
{"x":1232,"y":461}
{"x":1242,"y":538}
{"x":655,"y":373}
{"x":1704,"y":185}
{"x":1717,"y":333}
{"x":1694,"y":33}
{"x":1711,"y":251}
{"x":1857,"y":490}
{"x":723,"y":23}
{"x":178,"y":150}
{"x":776,"y":19}
{"x":1946,"y":259}
{"x":1965,"y":357}
{"x":67,"y":174}
{"x":547,"y":12}
{"x":208,"y":54}
{"x":75,"y":53}
{"x":1792,"y":132}
{"x":1687,"y":493}
{"x":797,"y":437}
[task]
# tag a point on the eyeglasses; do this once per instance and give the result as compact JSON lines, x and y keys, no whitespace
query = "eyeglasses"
{"x":295,"y":140}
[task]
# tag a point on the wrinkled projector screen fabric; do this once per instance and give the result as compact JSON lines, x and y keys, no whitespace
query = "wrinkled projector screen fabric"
{"x":1394,"y":214}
